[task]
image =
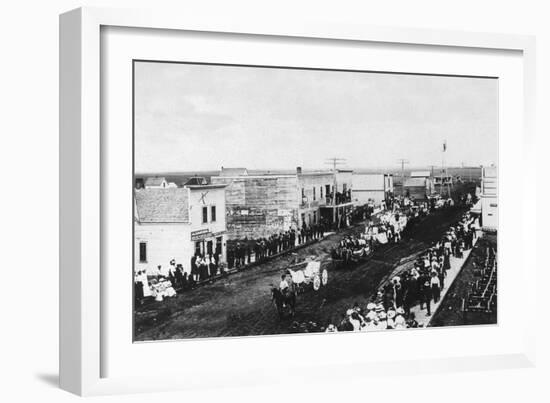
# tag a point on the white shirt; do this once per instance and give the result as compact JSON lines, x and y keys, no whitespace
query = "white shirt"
{"x":283,"y":285}
{"x":399,"y":322}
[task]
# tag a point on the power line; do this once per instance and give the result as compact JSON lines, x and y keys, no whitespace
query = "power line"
{"x":335,"y":162}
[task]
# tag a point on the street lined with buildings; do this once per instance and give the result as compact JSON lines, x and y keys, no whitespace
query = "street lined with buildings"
{"x":188,"y":235}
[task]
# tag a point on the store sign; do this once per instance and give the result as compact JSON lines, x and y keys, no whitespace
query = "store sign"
{"x":200,"y":234}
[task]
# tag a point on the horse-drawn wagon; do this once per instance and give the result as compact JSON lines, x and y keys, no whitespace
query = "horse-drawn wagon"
{"x":308,"y":274}
{"x":304,"y":274}
{"x":344,"y":256}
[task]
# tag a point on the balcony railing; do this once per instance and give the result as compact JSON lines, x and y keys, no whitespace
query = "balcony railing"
{"x":340,"y":198}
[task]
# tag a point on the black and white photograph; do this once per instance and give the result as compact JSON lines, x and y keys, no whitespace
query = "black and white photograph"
{"x":271,"y":200}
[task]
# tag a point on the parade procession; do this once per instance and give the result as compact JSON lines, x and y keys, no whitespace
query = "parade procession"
{"x":307,"y":267}
{"x":273,"y":201}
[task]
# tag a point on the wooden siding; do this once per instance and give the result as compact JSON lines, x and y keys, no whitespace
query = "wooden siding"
{"x":260,"y":206}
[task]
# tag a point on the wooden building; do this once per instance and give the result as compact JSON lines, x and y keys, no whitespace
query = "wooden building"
{"x":418,"y":188}
{"x":316,"y":192}
{"x":371,"y":188}
{"x":259,"y":205}
{"x":175,"y":223}
{"x":489,"y":198}
{"x":262,"y":205}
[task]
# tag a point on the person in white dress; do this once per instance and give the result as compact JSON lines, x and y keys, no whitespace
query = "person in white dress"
{"x":145,"y":283}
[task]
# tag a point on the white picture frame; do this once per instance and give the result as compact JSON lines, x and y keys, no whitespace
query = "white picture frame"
{"x":82,"y":343}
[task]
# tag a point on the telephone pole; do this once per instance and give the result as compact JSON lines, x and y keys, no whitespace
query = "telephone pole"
{"x":403,"y":161}
{"x":334,"y":161}
{"x":432,"y":169}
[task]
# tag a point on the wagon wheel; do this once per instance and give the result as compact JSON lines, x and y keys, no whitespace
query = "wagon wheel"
{"x":316,"y":282}
{"x":324,"y":277}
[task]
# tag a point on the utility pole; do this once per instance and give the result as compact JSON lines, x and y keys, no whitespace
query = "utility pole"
{"x":335,"y":162}
{"x":403,"y":162}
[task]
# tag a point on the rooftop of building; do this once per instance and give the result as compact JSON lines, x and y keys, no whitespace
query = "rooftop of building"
{"x":233,"y":171}
{"x":196,"y":181}
{"x":154,"y":180}
{"x":420,"y":174}
{"x":162,"y":205}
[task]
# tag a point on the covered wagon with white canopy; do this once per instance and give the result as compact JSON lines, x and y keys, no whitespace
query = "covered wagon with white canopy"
{"x":308,"y":273}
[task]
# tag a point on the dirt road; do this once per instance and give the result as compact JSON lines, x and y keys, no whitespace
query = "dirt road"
{"x":240,"y":304}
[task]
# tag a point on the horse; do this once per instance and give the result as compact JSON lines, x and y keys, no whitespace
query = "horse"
{"x":282,"y":300}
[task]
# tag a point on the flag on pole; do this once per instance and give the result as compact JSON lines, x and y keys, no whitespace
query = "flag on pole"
{"x":445,"y":146}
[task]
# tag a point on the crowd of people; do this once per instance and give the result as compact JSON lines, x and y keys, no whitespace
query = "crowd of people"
{"x":351,"y":248}
{"x":391,"y":307}
{"x":165,"y":281}
{"x":258,"y":250}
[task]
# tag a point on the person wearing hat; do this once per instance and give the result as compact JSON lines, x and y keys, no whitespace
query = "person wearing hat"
{"x":371,"y":314}
{"x":368,"y":323}
{"x":374,"y":325}
{"x":435,"y":286}
{"x":355,"y":319}
{"x":446,"y":261}
{"x":426,"y":294}
{"x":345,"y":324}
{"x":400,"y":319}
{"x":382,"y":321}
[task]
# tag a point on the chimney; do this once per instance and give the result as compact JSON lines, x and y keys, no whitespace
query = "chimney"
{"x":298,"y":170}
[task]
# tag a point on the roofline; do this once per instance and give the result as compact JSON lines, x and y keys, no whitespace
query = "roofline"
{"x":164,"y":222}
{"x":210,"y":186}
{"x":372,"y":173}
{"x":257,"y":176}
{"x":315,"y":173}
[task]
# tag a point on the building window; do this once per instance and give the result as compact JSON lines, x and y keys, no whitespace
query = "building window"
{"x":320,"y":192}
{"x":314,"y":194}
{"x":143,"y":252}
{"x":204,"y":215}
{"x":213,"y":213}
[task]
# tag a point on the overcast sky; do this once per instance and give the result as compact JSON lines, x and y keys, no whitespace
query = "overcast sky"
{"x":196,"y":117}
